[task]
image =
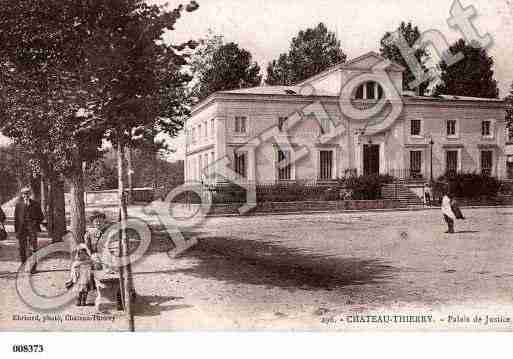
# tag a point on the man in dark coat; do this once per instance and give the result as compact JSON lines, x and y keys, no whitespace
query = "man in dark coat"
{"x":3,"y":233}
{"x":2,"y":215}
{"x":27,"y":221}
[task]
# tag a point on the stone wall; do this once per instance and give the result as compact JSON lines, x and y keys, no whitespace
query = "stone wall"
{"x":306,"y":206}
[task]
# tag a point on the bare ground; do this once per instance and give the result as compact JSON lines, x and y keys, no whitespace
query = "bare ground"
{"x":307,"y":272}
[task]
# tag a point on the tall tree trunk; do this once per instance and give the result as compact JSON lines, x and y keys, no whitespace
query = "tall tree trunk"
{"x":44,"y":195}
{"x":35,"y":184}
{"x":125,"y":270}
{"x":77,"y":204}
{"x":58,"y":210}
{"x":49,"y":208}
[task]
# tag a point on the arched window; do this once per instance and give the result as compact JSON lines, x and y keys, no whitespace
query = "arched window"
{"x":370,"y":90}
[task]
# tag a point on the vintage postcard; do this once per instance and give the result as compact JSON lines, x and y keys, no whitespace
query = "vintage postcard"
{"x":229,"y":165}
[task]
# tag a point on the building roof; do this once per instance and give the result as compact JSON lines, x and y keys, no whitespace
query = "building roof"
{"x":451,"y":98}
{"x":354,"y":64}
{"x":280,"y":90}
{"x":304,"y":89}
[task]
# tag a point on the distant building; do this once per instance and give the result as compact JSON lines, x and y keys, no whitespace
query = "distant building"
{"x":445,"y":134}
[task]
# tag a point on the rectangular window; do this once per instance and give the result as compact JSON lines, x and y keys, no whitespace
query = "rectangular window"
{"x":212,"y":128}
{"x":451,"y":161}
{"x":282,"y":122}
{"x":206,"y":129}
{"x":284,"y":168}
{"x":486,"y":128}
{"x":326,"y":165}
{"x":415,"y":164}
{"x":451,"y":127}
{"x":240,"y":163}
{"x":240,"y":124}
{"x":199,"y":132}
{"x":415,"y":127}
{"x":486,"y":163}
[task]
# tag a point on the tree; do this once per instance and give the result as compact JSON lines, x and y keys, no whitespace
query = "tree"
{"x":472,"y":76}
{"x":311,"y":52}
{"x":15,"y":171}
{"x":74,"y":73}
{"x":151,"y":169}
{"x":44,"y":88}
{"x":101,"y":174}
{"x":217,"y":66}
{"x":389,"y":50}
{"x":127,"y":49}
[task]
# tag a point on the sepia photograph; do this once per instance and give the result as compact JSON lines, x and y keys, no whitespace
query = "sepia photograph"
{"x":263,"y":166}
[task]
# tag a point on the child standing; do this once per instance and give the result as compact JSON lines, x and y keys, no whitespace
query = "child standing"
{"x":81,"y":273}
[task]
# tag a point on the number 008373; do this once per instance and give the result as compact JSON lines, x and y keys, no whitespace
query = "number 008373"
{"x":26,"y":348}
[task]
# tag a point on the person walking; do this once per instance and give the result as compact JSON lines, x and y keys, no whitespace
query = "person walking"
{"x":447,"y":212}
{"x":3,"y":232}
{"x":2,"y":215}
{"x":27,"y":223}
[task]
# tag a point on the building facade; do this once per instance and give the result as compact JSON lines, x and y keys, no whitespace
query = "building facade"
{"x":351,"y":119}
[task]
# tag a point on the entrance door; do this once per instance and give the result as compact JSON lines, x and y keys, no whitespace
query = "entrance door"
{"x":370,"y":159}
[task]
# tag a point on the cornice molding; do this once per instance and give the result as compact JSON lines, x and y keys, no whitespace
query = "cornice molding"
{"x":221,"y":97}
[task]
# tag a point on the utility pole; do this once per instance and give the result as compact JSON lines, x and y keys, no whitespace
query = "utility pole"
{"x":123,"y":240}
{"x":130,"y":172}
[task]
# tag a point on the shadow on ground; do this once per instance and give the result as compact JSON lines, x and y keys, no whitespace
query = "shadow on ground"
{"x":240,"y":261}
{"x":147,"y":306}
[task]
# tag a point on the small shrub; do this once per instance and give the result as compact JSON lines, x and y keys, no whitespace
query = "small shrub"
{"x":506,"y":188}
{"x":468,"y":185}
{"x":367,"y":187}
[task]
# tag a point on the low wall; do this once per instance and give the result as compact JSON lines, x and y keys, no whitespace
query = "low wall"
{"x":306,"y":206}
{"x":110,"y":197}
{"x":497,"y":201}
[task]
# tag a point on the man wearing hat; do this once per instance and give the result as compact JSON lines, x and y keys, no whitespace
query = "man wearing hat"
{"x":27,"y":223}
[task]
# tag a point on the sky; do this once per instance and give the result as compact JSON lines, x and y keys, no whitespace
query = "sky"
{"x":265,"y":27}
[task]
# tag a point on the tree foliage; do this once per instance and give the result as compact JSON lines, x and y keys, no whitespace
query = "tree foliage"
{"x":44,"y":80}
{"x":76,"y":72}
{"x":148,"y":171}
{"x":15,"y":171}
{"x":312,"y":51}
{"x":473,"y":76}
{"x":389,"y":50}
{"x":219,"y":66}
